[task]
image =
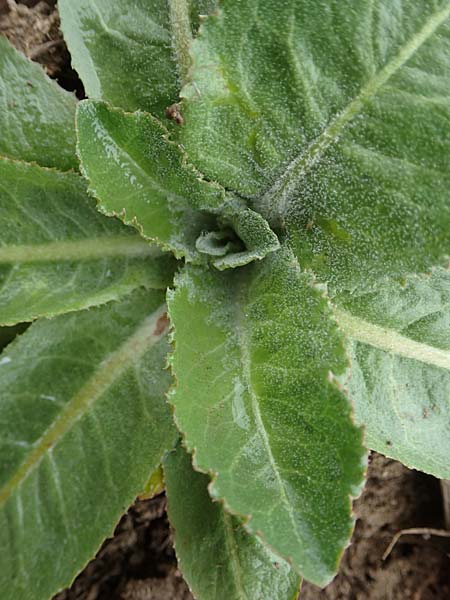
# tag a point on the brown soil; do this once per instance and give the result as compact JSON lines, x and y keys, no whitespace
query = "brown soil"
{"x":33,"y":27}
{"x":418,"y":568}
{"x":139,"y":562}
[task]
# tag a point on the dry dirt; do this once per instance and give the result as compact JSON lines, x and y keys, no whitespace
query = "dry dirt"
{"x":139,"y":562}
{"x":33,"y":27}
{"x":418,"y":568}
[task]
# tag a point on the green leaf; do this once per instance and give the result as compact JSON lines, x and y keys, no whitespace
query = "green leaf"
{"x":83,"y":423}
{"x":122,"y":51}
{"x":218,"y":558}
{"x":37,"y":117}
{"x":258,"y":360}
{"x":58,"y":254}
{"x":198,"y":10}
{"x":401,"y":368}
{"x":131,"y":53}
{"x":333,"y":118}
{"x":140,"y":176}
{"x":252,"y":230}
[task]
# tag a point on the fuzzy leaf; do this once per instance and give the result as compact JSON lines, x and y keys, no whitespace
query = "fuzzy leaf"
{"x":37,"y":117}
{"x":144,"y":179}
{"x":401,"y":368}
{"x":83,"y":423}
{"x":58,"y":254}
{"x":333,"y":117}
{"x":131,"y":53}
{"x":141,"y":177}
{"x":218,"y":558}
{"x":257,"y":357}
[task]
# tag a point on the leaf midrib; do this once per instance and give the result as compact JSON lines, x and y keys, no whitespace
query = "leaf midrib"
{"x":125,"y":150}
{"x":146,"y":335}
{"x":180,"y":24}
{"x":83,"y":249}
{"x":390,"y":340}
{"x":276,"y":199}
{"x":103,"y":24}
{"x":243,"y":343}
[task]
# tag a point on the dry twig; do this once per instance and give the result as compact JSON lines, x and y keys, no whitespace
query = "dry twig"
{"x":424,"y":531}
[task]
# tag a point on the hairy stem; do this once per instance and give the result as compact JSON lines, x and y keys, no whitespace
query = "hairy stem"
{"x":181,"y":36}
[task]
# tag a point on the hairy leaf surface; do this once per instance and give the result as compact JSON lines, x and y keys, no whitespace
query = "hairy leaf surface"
{"x":141,"y":177}
{"x":256,"y":359}
{"x":219,"y":559}
{"x":333,"y":117}
{"x":58,"y":254}
{"x":326,"y":122}
{"x":401,"y":368}
{"x":144,"y":179}
{"x":83,"y":423}
{"x":37,"y":117}
{"x":133,"y":53}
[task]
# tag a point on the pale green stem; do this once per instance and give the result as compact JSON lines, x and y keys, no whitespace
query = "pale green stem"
{"x":181,"y":36}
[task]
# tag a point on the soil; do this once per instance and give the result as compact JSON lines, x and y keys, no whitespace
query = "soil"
{"x":418,"y":568}
{"x":33,"y":27}
{"x":139,"y":562}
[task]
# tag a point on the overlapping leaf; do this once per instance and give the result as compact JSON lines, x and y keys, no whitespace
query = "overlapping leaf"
{"x":143,"y":178}
{"x":334,"y":118}
{"x":219,"y":559}
{"x":83,"y":423}
{"x":37,"y":117}
{"x":139,"y":176}
{"x":330,"y":121}
{"x":257,"y":354}
{"x":401,"y":368}
{"x":58,"y":254}
{"x":131,"y":53}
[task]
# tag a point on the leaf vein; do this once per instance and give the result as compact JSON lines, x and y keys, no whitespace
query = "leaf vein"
{"x":280,"y":193}
{"x":102,"y":379}
{"x":391,"y":341}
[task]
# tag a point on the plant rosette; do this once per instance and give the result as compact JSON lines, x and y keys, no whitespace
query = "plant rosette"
{"x":256,"y":194}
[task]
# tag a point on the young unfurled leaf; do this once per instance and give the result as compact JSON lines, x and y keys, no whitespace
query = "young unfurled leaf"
{"x":140,"y":176}
{"x":58,"y":254}
{"x":401,"y":368}
{"x":37,"y":117}
{"x":257,"y":361}
{"x":334,"y":119}
{"x":83,"y":423}
{"x":133,"y":53}
{"x":253,"y":232}
{"x":219,"y":559}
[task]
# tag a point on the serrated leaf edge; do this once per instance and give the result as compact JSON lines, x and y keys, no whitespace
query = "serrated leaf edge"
{"x":336,"y":381}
